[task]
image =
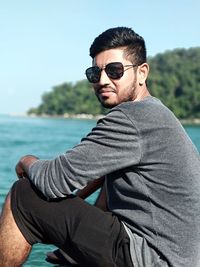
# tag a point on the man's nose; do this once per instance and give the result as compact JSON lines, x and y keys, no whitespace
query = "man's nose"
{"x":104,"y":79}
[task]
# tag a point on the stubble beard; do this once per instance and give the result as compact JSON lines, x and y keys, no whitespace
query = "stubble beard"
{"x":130,"y":96}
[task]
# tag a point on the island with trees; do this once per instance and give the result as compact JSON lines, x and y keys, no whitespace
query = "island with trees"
{"x":174,"y":78}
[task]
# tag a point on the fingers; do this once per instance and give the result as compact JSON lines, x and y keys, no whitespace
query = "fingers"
{"x":20,"y":171}
{"x":22,"y":166}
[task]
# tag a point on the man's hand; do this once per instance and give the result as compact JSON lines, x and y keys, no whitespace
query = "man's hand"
{"x":23,"y":166}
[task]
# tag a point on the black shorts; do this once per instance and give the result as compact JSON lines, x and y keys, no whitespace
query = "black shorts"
{"x":89,"y":235}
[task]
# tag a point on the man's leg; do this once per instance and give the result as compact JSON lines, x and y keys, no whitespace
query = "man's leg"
{"x":87,"y":234}
{"x":14,"y":249}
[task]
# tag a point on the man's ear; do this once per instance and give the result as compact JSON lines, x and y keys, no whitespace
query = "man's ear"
{"x":143,"y":71}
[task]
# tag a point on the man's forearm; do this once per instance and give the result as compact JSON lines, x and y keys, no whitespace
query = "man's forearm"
{"x":101,"y":201}
{"x":90,"y":188}
{"x":24,"y":164}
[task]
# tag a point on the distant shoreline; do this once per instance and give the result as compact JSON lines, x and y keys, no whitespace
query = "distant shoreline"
{"x":195,"y":121}
{"x":64,"y":116}
{"x":190,"y":121}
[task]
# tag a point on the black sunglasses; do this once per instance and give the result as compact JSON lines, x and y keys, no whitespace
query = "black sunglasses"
{"x":114,"y":70}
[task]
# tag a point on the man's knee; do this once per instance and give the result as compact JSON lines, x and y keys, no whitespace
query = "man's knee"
{"x":14,"y":248}
{"x":22,"y":198}
{"x":5,"y":209}
{"x":24,"y":195}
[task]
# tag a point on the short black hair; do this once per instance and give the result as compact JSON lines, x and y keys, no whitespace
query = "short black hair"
{"x":134,"y":44}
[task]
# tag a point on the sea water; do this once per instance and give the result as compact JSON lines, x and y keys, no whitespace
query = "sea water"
{"x":46,"y":138}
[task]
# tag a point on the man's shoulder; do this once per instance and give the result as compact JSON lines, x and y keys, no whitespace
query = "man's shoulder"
{"x":137,"y":108}
{"x":150,"y":110}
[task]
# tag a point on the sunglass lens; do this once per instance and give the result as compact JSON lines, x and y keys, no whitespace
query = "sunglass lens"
{"x":114,"y":70}
{"x":93,"y":74}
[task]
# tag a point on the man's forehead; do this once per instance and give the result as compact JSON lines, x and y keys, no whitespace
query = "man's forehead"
{"x":109,"y":55}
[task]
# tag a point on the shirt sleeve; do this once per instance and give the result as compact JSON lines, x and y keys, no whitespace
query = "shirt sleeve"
{"x":112,"y":145}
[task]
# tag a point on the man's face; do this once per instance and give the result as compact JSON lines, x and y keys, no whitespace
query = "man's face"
{"x":112,"y":92}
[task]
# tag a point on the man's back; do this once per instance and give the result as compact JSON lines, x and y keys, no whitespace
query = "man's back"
{"x":161,"y":192}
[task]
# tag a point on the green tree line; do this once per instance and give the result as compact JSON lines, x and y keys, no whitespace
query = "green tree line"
{"x":69,"y":98}
{"x":174,"y":78}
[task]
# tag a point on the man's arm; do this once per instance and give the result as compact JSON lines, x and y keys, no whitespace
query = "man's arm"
{"x":90,"y":188}
{"x":104,"y":150}
{"x":101,"y":201}
{"x":26,"y":161}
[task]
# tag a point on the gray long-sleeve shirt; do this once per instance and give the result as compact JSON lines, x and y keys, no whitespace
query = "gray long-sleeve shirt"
{"x":153,"y":176}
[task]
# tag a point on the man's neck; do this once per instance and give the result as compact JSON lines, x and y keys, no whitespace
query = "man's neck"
{"x":142,"y":95}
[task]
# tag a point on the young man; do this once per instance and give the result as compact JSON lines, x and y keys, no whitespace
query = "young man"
{"x":151,"y":169}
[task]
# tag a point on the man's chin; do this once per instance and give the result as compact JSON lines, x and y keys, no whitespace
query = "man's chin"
{"x":106,"y":103}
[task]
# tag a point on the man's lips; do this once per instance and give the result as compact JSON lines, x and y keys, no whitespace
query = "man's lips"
{"x":105,"y":92}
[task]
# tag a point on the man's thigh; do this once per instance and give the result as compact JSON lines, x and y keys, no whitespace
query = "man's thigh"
{"x":89,"y":235}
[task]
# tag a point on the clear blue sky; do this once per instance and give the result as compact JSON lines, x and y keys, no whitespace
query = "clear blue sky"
{"x":44,"y":43}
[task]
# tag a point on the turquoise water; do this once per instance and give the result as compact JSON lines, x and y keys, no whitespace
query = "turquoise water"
{"x":45,"y":138}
